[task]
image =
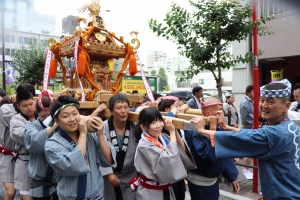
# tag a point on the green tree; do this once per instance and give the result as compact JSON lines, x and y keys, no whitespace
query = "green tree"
{"x":204,"y":34}
{"x":28,"y":61}
{"x":163,"y":79}
{"x":166,"y":88}
{"x":153,"y":72}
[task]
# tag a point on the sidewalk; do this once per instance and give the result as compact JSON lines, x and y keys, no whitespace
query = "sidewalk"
{"x":245,"y":185}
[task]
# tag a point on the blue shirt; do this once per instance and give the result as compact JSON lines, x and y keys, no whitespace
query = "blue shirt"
{"x":277,"y":150}
{"x":208,"y":164}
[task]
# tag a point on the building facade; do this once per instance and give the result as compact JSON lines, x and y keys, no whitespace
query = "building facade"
{"x":152,"y":57}
{"x":69,"y":24}
{"x":20,"y":22}
{"x":281,"y":50}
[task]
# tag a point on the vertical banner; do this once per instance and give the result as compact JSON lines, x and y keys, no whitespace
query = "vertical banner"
{"x":76,"y":61}
{"x":46,"y":69}
{"x":10,"y":78}
{"x":146,"y":84}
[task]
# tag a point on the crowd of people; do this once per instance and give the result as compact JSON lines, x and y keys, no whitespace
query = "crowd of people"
{"x":50,"y":151}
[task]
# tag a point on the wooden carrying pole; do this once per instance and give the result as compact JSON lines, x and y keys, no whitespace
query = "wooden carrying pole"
{"x":179,"y":123}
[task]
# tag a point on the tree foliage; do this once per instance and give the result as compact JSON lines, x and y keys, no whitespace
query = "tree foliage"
{"x":28,"y":61}
{"x":163,"y":79}
{"x":204,"y":34}
{"x":153,"y":72}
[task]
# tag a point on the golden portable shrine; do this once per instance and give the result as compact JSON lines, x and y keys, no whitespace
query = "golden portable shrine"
{"x":95,"y":47}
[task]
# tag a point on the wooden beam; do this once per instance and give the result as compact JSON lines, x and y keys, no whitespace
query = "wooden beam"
{"x":131,"y":97}
{"x":88,"y":104}
{"x":182,"y":115}
{"x":179,"y":123}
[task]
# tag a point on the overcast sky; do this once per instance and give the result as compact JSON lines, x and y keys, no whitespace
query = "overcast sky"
{"x":124,"y":17}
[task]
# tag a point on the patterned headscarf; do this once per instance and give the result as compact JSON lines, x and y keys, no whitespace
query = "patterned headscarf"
{"x":170,"y":98}
{"x":44,"y":93}
{"x":204,"y":105}
{"x":277,"y":93}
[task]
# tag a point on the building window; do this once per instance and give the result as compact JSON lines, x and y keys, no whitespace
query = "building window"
{"x":201,"y":81}
{"x":12,"y":51}
{"x":7,"y":51}
{"x":7,"y":38}
{"x":20,"y":40}
{"x":268,"y":8}
{"x":25,"y":40}
{"x":12,"y":38}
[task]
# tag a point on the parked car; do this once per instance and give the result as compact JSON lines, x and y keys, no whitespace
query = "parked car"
{"x":165,"y":93}
{"x":185,"y":94}
{"x":206,"y":95}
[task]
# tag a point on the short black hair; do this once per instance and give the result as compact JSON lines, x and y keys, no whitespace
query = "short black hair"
{"x":278,"y":86}
{"x":156,"y":95}
{"x":23,"y":95}
{"x":5,"y":100}
{"x":27,"y":87}
{"x":117,"y":98}
{"x":2,"y":92}
{"x":249,"y":88}
{"x":165,"y":104}
{"x":196,"y":89}
{"x":46,"y":102}
{"x":146,"y":117}
{"x":297,"y":86}
{"x":63,"y":100}
{"x":180,"y":98}
{"x":145,"y":99}
{"x":135,"y":92}
{"x":275,"y":86}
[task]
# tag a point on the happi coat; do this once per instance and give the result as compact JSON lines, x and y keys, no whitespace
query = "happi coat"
{"x":41,"y":173}
{"x":127,"y":171}
{"x":208,"y":165}
{"x":234,"y":119}
{"x":179,"y":187}
{"x":165,"y":165}
{"x":277,"y":150}
{"x":7,"y":163}
{"x":17,"y":128}
{"x":78,"y":177}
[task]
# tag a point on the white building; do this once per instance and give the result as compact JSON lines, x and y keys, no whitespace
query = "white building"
{"x":176,"y":65}
{"x":281,"y":51}
{"x":21,"y":22}
{"x":152,"y":57}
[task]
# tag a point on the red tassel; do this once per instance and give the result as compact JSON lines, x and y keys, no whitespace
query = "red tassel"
{"x":132,"y":65}
{"x":53,"y":68}
{"x":82,"y":61}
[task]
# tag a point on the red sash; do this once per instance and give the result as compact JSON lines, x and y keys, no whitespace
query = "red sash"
{"x":6,"y":151}
{"x":147,"y":183}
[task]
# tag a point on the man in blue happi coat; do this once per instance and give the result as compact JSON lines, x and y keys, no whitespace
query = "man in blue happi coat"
{"x":275,"y":146}
{"x":203,"y":181}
